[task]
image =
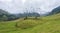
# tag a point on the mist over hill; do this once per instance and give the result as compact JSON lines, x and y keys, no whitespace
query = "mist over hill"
{"x":29,"y":16}
{"x":4,"y":15}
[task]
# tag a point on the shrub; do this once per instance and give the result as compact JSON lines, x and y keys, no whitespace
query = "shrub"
{"x":25,"y":18}
{"x":27,"y":24}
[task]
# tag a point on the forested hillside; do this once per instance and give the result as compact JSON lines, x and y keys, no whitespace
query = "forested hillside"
{"x":55,"y":11}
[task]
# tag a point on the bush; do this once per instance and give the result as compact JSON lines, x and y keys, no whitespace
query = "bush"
{"x":25,"y":18}
{"x":27,"y":24}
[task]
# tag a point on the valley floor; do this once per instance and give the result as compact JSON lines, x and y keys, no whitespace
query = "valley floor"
{"x":49,"y":24}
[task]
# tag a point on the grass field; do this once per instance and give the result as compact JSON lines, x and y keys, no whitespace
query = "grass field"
{"x":48,"y":24}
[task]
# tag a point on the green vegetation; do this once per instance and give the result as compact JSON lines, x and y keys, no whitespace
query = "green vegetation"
{"x":49,"y":24}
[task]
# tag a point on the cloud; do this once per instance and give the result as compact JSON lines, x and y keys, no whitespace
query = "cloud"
{"x":5,"y":1}
{"x":19,"y":6}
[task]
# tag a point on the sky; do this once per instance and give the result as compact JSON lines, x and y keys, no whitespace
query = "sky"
{"x":21,"y":6}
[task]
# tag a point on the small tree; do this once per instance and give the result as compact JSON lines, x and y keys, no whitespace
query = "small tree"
{"x":36,"y":17}
{"x":25,"y":18}
{"x":16,"y":25}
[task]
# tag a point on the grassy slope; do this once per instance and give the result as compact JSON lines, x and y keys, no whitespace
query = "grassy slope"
{"x":49,"y":24}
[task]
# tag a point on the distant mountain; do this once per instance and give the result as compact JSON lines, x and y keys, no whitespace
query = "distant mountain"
{"x":5,"y":16}
{"x":33,"y":14}
{"x":55,"y":10}
{"x":3,"y":12}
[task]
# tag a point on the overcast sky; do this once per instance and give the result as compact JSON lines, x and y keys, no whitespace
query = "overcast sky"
{"x":19,"y":6}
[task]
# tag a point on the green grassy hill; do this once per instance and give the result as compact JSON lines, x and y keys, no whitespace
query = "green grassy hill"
{"x":49,"y":24}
